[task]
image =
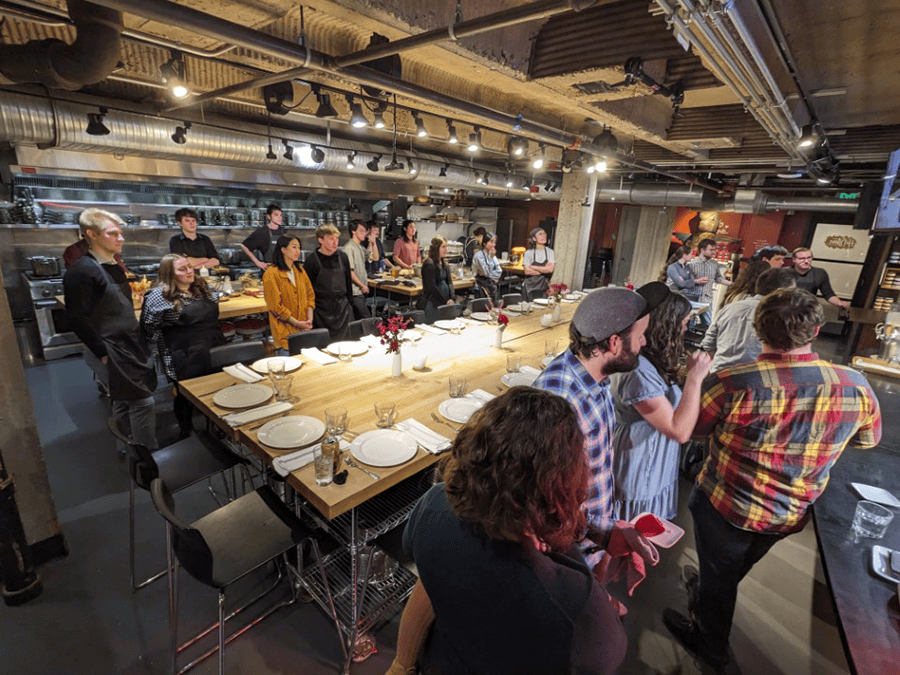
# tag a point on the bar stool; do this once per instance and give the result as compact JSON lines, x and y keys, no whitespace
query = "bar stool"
{"x":224,"y":546}
{"x":317,"y":337}
{"x":182,"y":464}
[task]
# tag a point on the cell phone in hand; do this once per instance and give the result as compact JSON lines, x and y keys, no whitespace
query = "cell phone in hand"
{"x":895,"y":562}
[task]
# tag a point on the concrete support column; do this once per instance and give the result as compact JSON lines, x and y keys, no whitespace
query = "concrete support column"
{"x":573,"y":228}
{"x":641,"y":245}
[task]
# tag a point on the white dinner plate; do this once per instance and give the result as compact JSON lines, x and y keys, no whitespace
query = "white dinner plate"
{"x":875,"y":494}
{"x":410,"y":335}
{"x":290,"y":364}
{"x":572,"y":296}
{"x":460,"y":409}
{"x":291,"y":432}
{"x":242,"y":396}
{"x":518,"y":379}
{"x":881,"y":563}
{"x":355,"y":348}
{"x":384,"y":447}
{"x":449,"y":324}
{"x":482,"y":316}
{"x":542,"y":301}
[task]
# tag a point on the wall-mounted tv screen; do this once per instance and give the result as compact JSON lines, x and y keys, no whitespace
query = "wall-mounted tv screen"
{"x":888,"y":217}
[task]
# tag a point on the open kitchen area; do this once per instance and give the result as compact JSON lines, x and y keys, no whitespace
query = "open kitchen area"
{"x":612,"y":139}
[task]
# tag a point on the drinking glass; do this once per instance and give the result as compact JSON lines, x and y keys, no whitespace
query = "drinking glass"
{"x":344,"y":353}
{"x":283,"y":387}
{"x":385,"y":413}
{"x":550,"y":347}
{"x":870,"y":520}
{"x":457,"y":386}
{"x":335,"y":420}
{"x":513,"y":363}
{"x":324,"y":466}
{"x":276,"y":370}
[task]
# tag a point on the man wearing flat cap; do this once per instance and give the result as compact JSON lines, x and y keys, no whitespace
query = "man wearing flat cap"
{"x":605,"y":337}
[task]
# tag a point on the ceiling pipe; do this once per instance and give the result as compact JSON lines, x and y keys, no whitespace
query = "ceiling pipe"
{"x":221,"y":29}
{"x":53,"y":63}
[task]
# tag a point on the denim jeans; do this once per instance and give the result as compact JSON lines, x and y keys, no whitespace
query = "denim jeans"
{"x":141,"y":417}
{"x":726,"y":554}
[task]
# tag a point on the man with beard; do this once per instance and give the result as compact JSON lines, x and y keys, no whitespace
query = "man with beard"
{"x":605,"y":337}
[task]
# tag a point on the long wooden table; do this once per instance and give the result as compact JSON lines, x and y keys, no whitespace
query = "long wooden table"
{"x":233,"y":306}
{"x":357,"y":385}
{"x":415,"y":290}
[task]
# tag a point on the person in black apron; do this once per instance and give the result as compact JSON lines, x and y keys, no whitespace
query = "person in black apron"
{"x":181,"y":317}
{"x":329,"y":271}
{"x":538,"y":262}
{"x":101,"y":311}
{"x":437,"y":286}
{"x":260,"y":245}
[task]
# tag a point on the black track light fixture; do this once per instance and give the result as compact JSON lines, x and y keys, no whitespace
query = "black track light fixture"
{"x":478,"y":178}
{"x":288,"y":150}
{"x":809,"y":137}
{"x":316,"y":154}
{"x":484,"y":178}
{"x":394,"y":165}
{"x":443,"y":172}
{"x":474,"y":140}
{"x":452,"y":136}
{"x":95,"y":125}
{"x":357,"y":119}
{"x":538,"y":162}
{"x":421,"y":131}
{"x":351,"y":161}
{"x":172,"y":74}
{"x":379,"y":120}
{"x":509,"y":181}
{"x":372,"y":164}
{"x":413,"y":170}
{"x":324,"y":109}
{"x":516,"y":146}
{"x":180,"y":135}
{"x":606,"y":143}
{"x":271,"y":154}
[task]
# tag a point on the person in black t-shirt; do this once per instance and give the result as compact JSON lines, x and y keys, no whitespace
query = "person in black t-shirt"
{"x":260,"y":245}
{"x":196,"y":247}
{"x":814,"y":279}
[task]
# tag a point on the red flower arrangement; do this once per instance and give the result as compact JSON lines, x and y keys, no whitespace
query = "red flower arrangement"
{"x":497,"y":313}
{"x":557,"y":291}
{"x":390,"y":333}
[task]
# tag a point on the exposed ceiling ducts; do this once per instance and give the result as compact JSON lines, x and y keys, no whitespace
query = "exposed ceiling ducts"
{"x":90,"y":58}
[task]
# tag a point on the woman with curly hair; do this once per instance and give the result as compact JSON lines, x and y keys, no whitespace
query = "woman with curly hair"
{"x":653,"y":416}
{"x":499,"y":574}
{"x":745,"y":285}
{"x":181,"y":318}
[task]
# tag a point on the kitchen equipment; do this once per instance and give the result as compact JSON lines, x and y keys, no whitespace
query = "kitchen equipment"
{"x":57,"y":338}
{"x":889,"y":334}
{"x":229,"y":256}
{"x":44,"y":266}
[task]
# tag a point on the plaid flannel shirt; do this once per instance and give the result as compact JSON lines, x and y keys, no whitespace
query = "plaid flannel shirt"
{"x":706,"y":268}
{"x":592,"y":401}
{"x":776,"y":427}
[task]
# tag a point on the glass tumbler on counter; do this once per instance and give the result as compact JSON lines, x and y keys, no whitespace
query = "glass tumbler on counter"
{"x":323,"y":461}
{"x":870,"y":520}
{"x":457,"y":386}
{"x":335,"y":420}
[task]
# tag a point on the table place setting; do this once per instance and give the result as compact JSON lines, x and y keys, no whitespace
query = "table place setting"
{"x":294,"y":461}
{"x":482,"y":316}
{"x":239,"y":419}
{"x":263,"y":366}
{"x":431,"y":441}
{"x":292,"y":431}
{"x":317,"y":355}
{"x":241,"y":372}
{"x":452,"y":325}
{"x":384,"y":447}
{"x":431,"y":329}
{"x":242,"y":395}
{"x":524,"y":376}
{"x":347,"y":349}
{"x":372,"y":341}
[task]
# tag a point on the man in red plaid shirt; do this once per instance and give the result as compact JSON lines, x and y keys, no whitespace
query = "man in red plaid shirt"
{"x":776,"y":426}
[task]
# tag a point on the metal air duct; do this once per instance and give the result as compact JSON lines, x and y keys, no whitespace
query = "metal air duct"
{"x":51,"y":62}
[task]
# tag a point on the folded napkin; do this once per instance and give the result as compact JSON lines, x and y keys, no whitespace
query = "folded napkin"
{"x":243,"y":373}
{"x":371,"y":341}
{"x":530,"y":370}
{"x":242,"y":418}
{"x":471,"y":322}
{"x":431,"y":329}
{"x":297,"y":460}
{"x":481,"y":395}
{"x":318,"y":356}
{"x":430,"y":440}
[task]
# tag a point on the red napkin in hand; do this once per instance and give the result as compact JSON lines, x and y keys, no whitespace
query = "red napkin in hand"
{"x":622,"y":560}
{"x":649,"y":525}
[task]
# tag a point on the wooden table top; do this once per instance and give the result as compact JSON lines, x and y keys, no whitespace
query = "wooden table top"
{"x":415,"y":289}
{"x":367,"y":379}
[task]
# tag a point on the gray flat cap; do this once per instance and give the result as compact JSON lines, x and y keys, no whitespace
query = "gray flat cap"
{"x":607,"y":312}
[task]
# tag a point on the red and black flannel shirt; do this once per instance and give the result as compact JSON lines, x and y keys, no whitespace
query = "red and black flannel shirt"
{"x":776,"y":427}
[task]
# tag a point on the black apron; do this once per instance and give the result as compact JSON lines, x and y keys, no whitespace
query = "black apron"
{"x":536,"y":286}
{"x":192,"y":336}
{"x":130,"y":362}
{"x":332,"y":305}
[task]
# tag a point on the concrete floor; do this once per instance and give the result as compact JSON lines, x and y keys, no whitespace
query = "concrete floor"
{"x":88,"y":621}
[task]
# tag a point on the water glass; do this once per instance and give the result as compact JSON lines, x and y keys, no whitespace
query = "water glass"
{"x":385,"y":414}
{"x":283,"y":387}
{"x":870,"y":520}
{"x":457,"y":386}
{"x":419,"y":359}
{"x":550,"y":347}
{"x":324,"y":465}
{"x":335,"y":420}
{"x":513,"y":363}
{"x":276,"y":369}
{"x":343,"y":353}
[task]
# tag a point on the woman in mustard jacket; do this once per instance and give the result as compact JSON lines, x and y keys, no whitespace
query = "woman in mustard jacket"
{"x":289,"y":293}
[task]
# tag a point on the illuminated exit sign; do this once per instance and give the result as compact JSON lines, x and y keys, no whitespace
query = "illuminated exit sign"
{"x":848,"y":195}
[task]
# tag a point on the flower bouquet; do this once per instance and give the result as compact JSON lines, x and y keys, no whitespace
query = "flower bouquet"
{"x":390,"y":333}
{"x":557,"y":291}
{"x":502,"y":322}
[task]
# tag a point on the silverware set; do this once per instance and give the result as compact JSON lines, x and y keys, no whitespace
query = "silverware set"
{"x":441,"y":421}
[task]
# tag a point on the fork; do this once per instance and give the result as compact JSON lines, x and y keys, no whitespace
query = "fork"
{"x":350,"y":462}
{"x":440,"y":421}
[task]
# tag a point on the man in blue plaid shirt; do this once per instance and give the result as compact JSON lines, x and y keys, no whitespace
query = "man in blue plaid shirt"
{"x":605,"y":337}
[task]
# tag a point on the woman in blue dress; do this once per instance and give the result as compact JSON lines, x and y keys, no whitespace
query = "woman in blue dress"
{"x":653,"y":416}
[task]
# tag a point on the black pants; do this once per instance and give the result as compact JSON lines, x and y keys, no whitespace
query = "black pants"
{"x":184,"y":412}
{"x":360,"y":308}
{"x":726,"y":554}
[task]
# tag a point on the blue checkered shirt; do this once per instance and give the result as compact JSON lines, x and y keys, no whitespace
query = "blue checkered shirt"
{"x":593,"y":402}
{"x":707,"y":268}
